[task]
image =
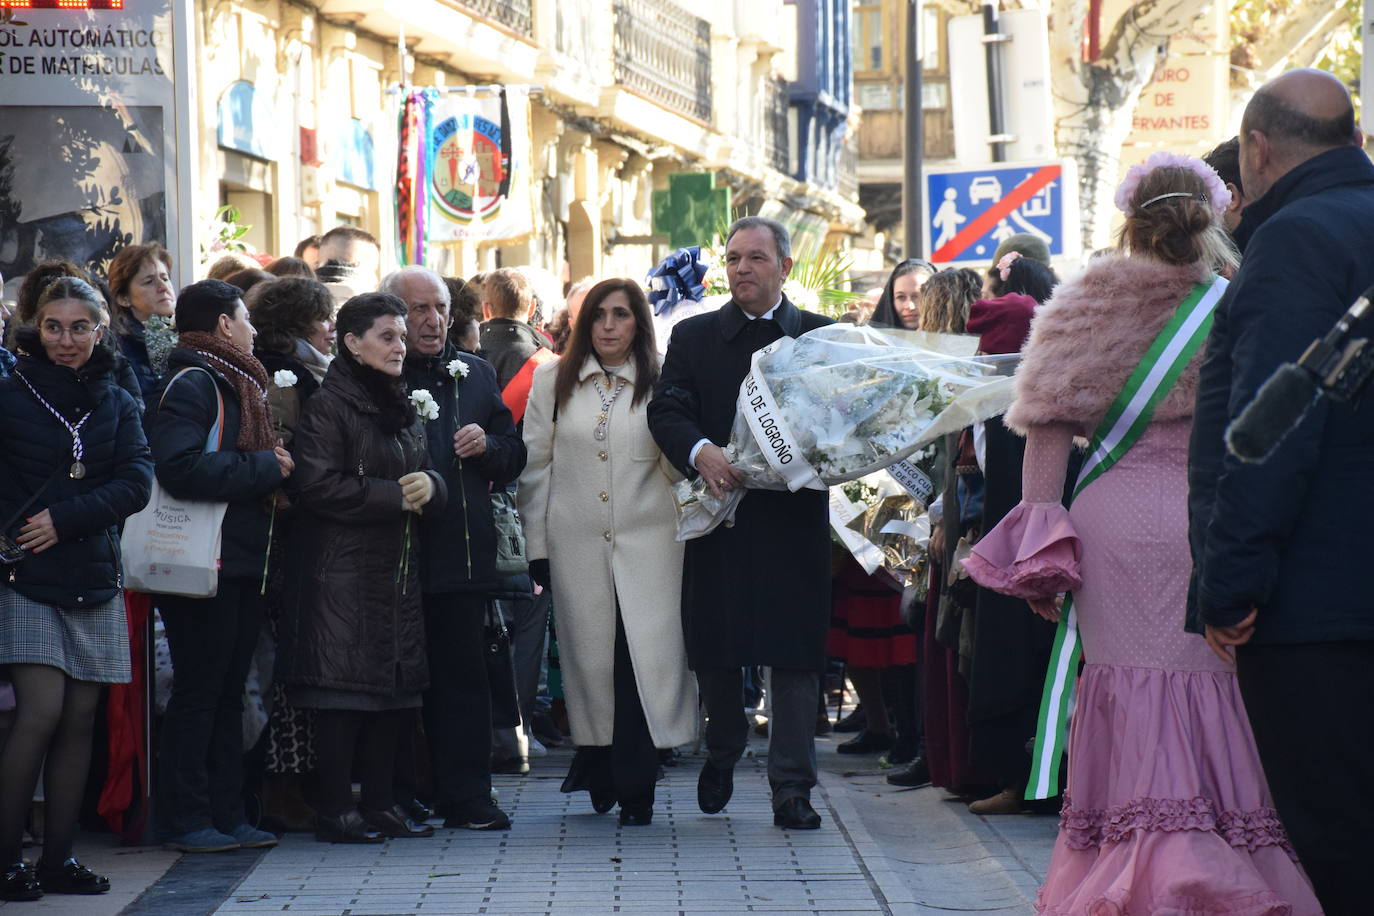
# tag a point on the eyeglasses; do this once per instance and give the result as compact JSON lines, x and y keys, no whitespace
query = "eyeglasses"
{"x":80,"y":332}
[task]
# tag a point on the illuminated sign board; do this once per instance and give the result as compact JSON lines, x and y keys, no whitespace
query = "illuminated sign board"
{"x":95,"y":132}
{"x":61,"y":4}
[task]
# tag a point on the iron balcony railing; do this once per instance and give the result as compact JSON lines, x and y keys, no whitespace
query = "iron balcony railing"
{"x":515,"y":15}
{"x":664,"y":52}
{"x":777,"y":142}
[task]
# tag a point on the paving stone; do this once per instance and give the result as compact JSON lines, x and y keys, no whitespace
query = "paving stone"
{"x":558,"y":858}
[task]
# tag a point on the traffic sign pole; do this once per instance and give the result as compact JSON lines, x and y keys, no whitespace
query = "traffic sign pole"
{"x":913,"y":221}
{"x":992,"y":46}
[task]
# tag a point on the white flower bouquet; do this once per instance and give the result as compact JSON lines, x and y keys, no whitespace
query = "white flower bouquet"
{"x":841,"y":402}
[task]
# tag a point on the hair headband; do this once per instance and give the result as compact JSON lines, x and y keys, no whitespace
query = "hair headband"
{"x":1216,"y":193}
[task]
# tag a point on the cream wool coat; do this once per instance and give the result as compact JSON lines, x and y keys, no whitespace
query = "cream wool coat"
{"x":602,"y":513}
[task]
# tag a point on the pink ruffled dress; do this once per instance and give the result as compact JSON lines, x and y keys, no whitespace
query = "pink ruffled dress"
{"x":1167,"y":810}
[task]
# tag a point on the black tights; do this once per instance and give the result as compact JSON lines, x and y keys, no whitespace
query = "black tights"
{"x":53,"y":722}
{"x":343,"y":734}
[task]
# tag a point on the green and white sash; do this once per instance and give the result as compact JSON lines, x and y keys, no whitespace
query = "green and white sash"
{"x":1121,"y":428}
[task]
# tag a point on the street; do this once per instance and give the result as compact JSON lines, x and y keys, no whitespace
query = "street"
{"x":880,"y":850}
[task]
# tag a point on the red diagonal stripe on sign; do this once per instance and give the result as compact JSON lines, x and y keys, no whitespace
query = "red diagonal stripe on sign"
{"x":994,"y":214}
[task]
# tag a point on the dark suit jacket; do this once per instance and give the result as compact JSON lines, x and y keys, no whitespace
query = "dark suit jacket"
{"x":756,"y":593}
{"x":1292,"y":535}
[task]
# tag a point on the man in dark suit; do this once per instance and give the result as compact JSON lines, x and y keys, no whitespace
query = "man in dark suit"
{"x":757,"y":592}
{"x":1281,"y":548}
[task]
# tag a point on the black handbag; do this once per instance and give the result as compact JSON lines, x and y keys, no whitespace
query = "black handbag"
{"x":505,"y":705}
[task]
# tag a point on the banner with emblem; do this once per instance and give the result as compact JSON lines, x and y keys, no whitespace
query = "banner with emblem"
{"x":477,"y":161}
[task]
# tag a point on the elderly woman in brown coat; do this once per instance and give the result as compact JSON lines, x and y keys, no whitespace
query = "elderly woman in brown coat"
{"x":352,"y":642}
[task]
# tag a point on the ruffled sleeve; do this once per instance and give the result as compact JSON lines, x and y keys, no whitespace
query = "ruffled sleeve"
{"x":1034,"y":551}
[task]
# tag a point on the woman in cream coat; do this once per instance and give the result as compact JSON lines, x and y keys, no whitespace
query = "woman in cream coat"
{"x":601,"y":527}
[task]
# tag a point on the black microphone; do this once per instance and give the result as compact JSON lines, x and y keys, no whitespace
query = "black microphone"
{"x":1335,"y":365}
{"x":1277,"y":409}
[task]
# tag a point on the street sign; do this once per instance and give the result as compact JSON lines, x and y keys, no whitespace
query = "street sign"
{"x":969,"y":210}
{"x":97,"y":131}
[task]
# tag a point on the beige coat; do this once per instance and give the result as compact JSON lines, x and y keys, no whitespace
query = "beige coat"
{"x":602,"y":513}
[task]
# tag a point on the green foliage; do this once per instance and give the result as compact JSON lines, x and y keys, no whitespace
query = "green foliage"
{"x":827,"y":275}
{"x":225,"y":234}
{"x":1340,"y":54}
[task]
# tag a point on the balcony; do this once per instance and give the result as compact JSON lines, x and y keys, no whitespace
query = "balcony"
{"x":847,"y":170}
{"x":664,"y":53}
{"x":777,"y":144}
{"x":515,"y":15}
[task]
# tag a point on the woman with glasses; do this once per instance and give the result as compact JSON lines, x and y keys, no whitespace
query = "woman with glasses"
{"x":73,"y":465}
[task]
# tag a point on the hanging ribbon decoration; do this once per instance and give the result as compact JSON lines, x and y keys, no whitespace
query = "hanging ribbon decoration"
{"x":412,"y":175}
{"x":405,"y":180}
{"x":679,"y":276}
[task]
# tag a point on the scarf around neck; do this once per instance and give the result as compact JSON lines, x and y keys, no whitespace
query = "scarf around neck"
{"x":313,"y":360}
{"x":249,"y":379}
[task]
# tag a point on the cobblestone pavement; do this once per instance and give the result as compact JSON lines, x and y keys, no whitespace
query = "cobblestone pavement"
{"x":560,"y":857}
{"x":880,"y":850}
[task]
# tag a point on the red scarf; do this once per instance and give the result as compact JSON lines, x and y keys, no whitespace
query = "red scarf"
{"x":249,"y":379}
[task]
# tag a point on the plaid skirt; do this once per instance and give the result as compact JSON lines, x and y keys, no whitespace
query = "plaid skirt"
{"x":89,"y":644}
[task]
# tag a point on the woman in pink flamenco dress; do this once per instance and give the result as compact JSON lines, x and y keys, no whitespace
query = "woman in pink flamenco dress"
{"x":1167,"y":811}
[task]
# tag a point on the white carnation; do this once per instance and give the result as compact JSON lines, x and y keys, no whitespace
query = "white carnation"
{"x":284,"y":378}
{"x":425,"y":405}
{"x":458,"y":369}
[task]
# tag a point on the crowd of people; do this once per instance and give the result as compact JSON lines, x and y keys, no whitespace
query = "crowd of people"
{"x":439,"y":507}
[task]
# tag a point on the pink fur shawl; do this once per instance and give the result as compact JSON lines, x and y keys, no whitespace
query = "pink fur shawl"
{"x":1088,"y":338}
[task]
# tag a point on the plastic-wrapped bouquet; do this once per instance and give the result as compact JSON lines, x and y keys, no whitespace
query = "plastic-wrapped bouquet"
{"x":841,"y":402}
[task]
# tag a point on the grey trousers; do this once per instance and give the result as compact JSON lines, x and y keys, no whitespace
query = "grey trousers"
{"x":791,"y":730}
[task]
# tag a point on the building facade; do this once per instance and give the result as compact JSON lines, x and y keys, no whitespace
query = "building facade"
{"x":624,"y":94}
{"x":879,"y":54}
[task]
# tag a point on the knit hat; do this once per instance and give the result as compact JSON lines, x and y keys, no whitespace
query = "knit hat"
{"x":1030,"y":246}
{"x":1003,"y":324}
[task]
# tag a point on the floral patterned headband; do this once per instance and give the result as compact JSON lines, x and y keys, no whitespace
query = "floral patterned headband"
{"x":1004,"y":265}
{"x":1217,"y":195}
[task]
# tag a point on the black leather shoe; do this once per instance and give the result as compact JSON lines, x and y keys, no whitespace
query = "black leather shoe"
{"x":416,"y":810}
{"x":20,"y":883}
{"x":348,"y":827}
{"x":916,"y":774}
{"x":715,"y":785}
{"x":395,"y":823}
{"x":854,"y":722}
{"x":71,"y":877}
{"x":636,"y":817}
{"x":602,"y":801}
{"x":796,"y":814}
{"x":865,"y":742}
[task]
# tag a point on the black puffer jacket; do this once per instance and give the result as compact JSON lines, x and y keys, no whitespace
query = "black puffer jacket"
{"x":352,"y":617}
{"x":83,"y":568}
{"x":460,"y":543}
{"x":179,"y":423}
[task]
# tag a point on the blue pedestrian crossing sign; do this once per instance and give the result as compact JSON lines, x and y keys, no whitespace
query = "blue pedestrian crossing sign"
{"x":969,"y":211}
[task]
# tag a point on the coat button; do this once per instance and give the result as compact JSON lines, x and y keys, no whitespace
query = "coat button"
{"x":604,"y":456}
{"x":80,"y":599}
{"x":605,"y":497}
{"x":606,"y":535}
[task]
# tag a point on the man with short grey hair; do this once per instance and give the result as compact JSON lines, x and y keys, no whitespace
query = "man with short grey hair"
{"x":474,"y":445}
{"x":1281,"y":547}
{"x":756,"y":592}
